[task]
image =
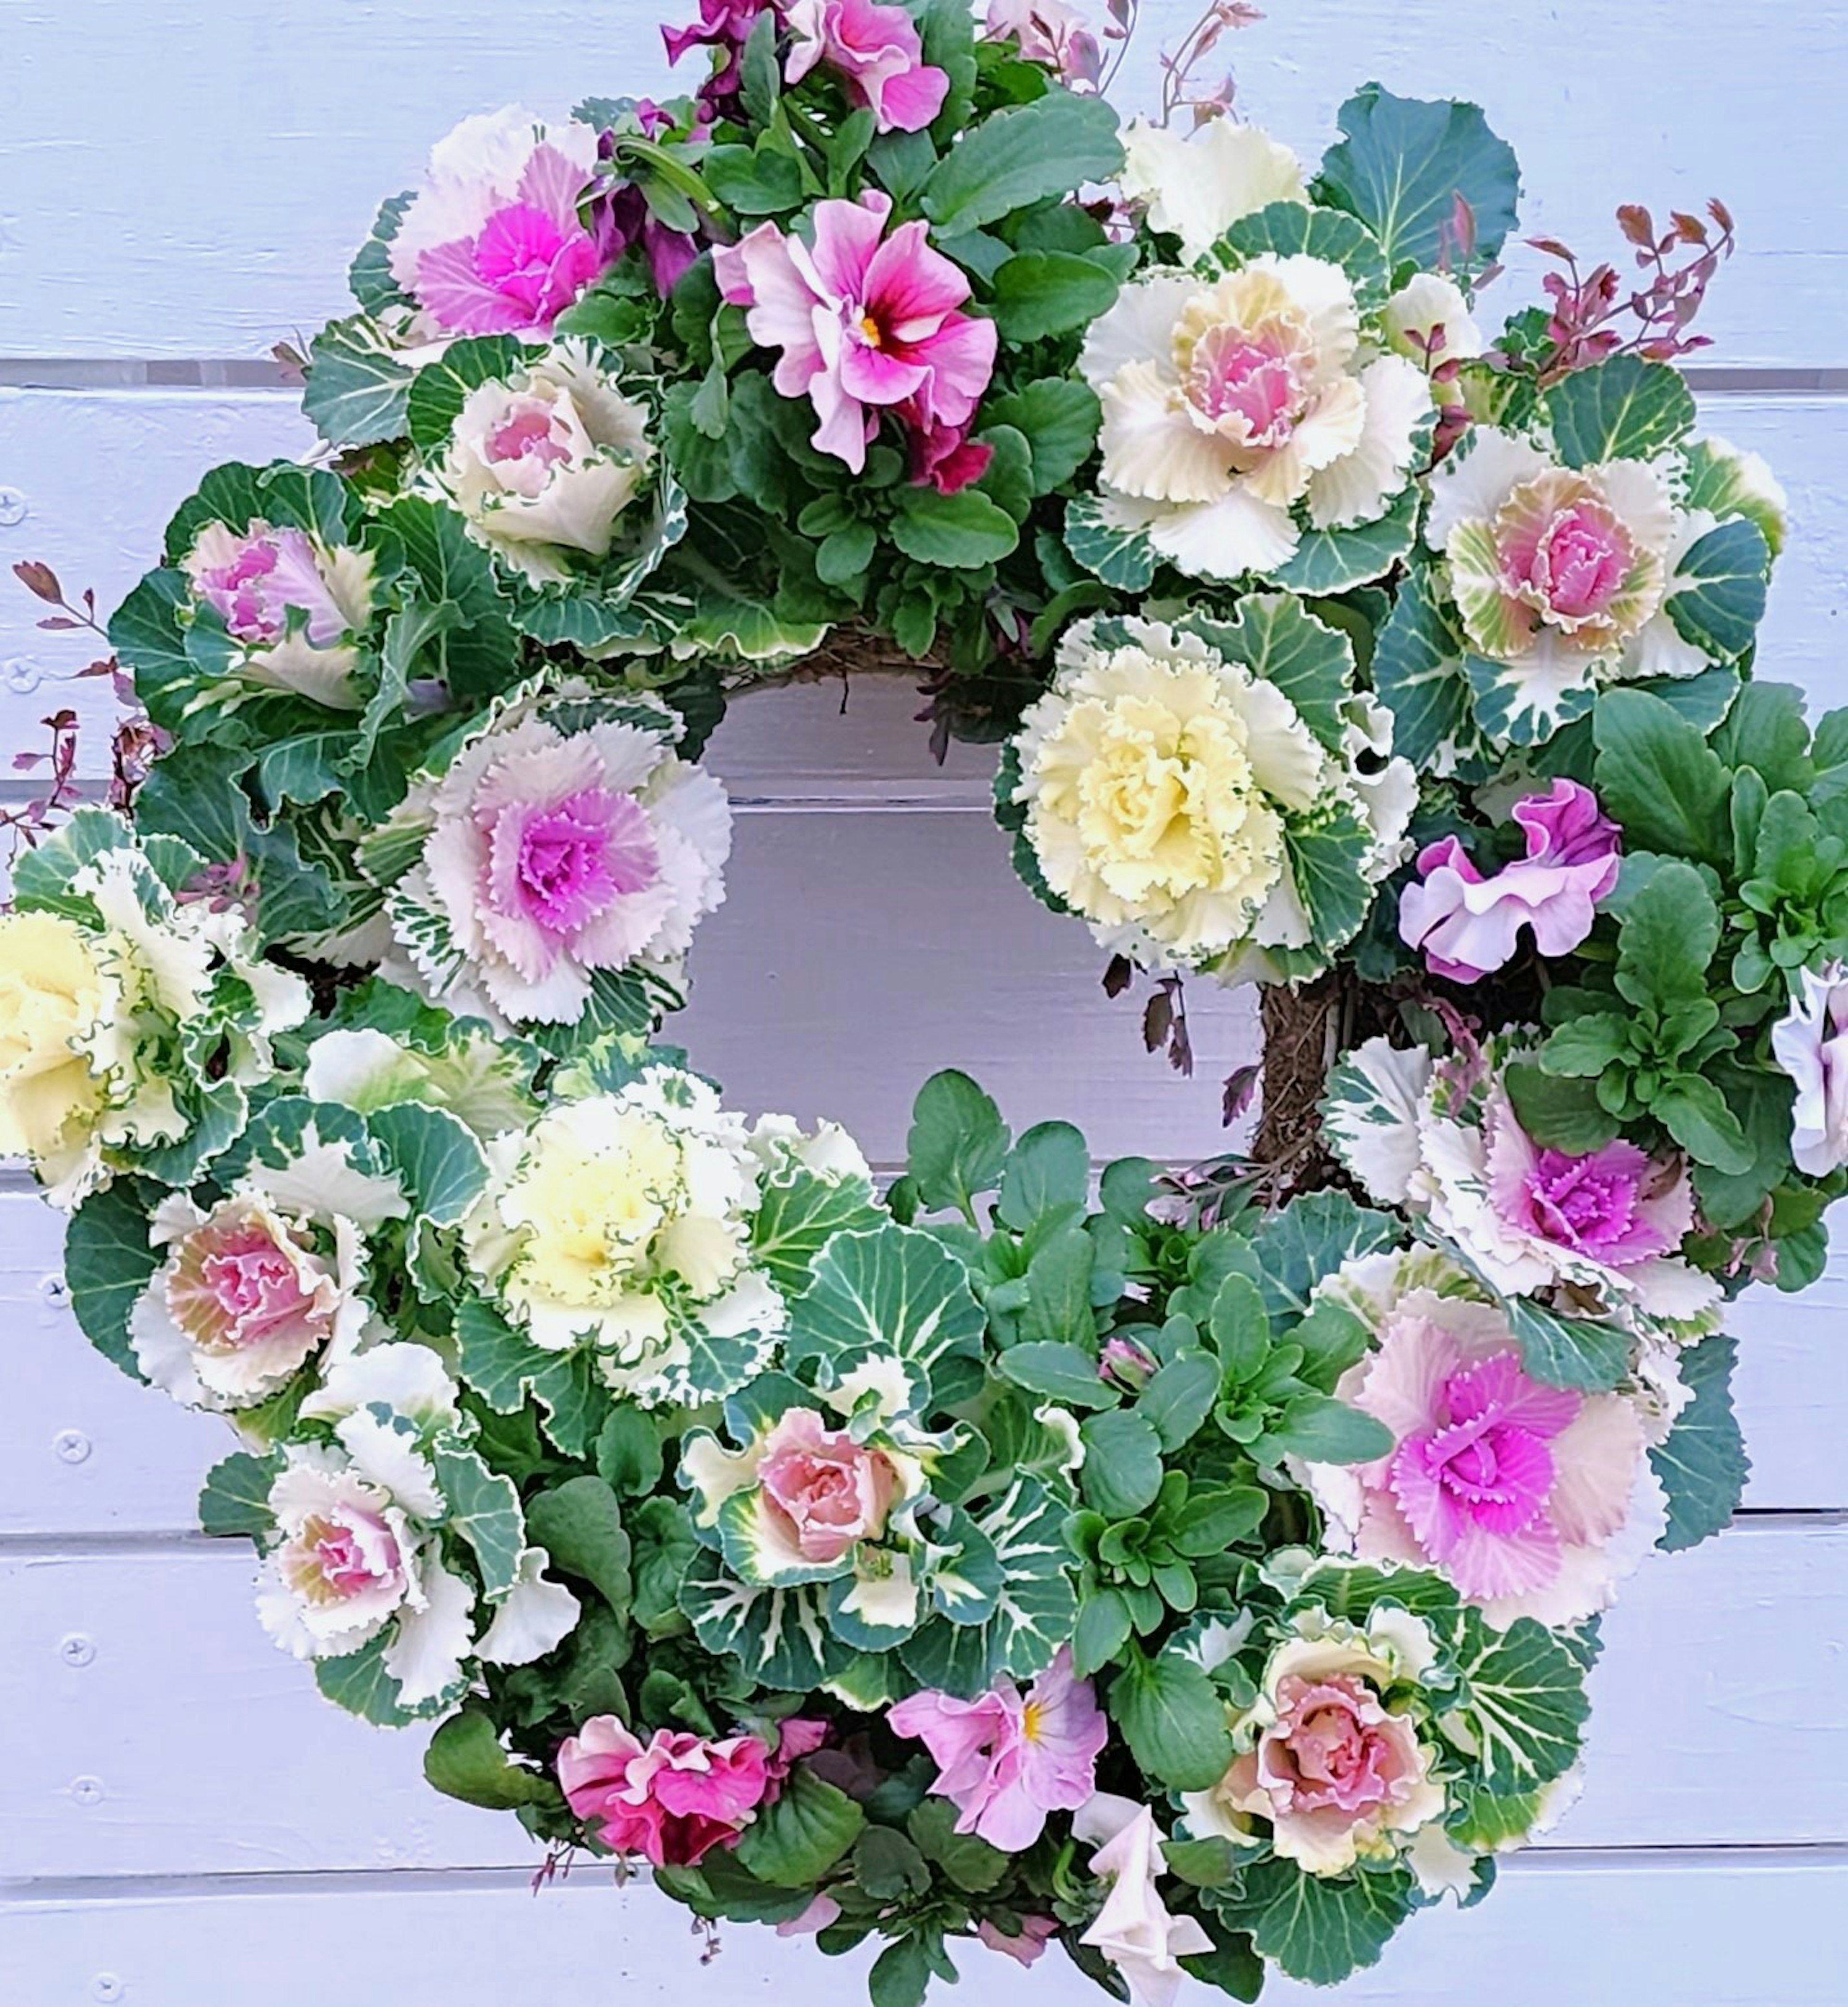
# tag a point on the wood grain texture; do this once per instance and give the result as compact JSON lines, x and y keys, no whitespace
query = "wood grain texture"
{"x":66,"y":451}
{"x":1688,"y":1930}
{"x":138,"y":238}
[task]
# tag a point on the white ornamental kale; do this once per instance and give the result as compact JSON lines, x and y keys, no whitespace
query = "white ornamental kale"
{"x":622,"y":1221}
{"x":565,"y":843}
{"x":1600,"y":1231}
{"x":1240,"y":407}
{"x":365,"y":1509}
{"x":1196,"y":791}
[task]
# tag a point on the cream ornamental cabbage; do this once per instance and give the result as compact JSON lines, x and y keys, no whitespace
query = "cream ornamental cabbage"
{"x":1562,"y":574}
{"x":50,"y":998}
{"x":1230,"y":404}
{"x":623,"y":1221}
{"x":542,"y":465}
{"x":1196,"y":185}
{"x":1159,"y":778}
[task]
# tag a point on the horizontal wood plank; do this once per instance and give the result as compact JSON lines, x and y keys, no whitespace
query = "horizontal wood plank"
{"x":1720,"y":1716}
{"x":1691,"y":1931}
{"x":101,"y":471}
{"x":138,"y":240}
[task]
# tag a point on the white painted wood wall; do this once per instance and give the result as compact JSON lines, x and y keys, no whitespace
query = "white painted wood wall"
{"x":182,"y":1822}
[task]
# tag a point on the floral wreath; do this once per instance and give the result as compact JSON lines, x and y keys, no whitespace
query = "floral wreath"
{"x":1199,"y":1568}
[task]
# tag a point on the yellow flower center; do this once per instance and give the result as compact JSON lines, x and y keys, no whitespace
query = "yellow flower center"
{"x":869,"y":328}
{"x":592,"y":1213}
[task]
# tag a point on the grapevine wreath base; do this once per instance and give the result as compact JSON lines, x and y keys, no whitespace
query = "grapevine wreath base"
{"x":1196,"y":1571}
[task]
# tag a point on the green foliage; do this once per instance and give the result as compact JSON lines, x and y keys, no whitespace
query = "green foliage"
{"x":1703,"y":1465}
{"x":1403,"y":164}
{"x":1623,"y":408}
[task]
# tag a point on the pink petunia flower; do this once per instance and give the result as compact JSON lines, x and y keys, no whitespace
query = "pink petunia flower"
{"x":1467,"y":925}
{"x":866,"y":323}
{"x":1035,"y":1934}
{"x":878,"y":56}
{"x":672,"y":1799}
{"x":493,"y":242}
{"x":1516,"y":1491}
{"x":1007,"y":1760}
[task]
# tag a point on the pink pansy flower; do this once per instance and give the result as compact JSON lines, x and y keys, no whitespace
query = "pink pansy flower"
{"x":552,"y":855}
{"x":825,"y":1492}
{"x":864,"y":325}
{"x":1049,"y":32}
{"x":1811,"y":1043}
{"x":1006,"y":1761}
{"x":492,"y":243}
{"x":243,"y":1301}
{"x":1335,"y":1769}
{"x":946,"y":458}
{"x":725,"y":25}
{"x":1516,"y":1491}
{"x":1467,"y":925}
{"x":878,"y":56}
{"x":1035,"y":1934}
{"x":672,"y":1799}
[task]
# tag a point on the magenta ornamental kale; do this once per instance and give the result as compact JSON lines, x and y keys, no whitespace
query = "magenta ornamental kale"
{"x":1194,"y":1572}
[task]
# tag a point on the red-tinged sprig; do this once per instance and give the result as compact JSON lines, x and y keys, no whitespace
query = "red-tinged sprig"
{"x":26,"y":824}
{"x":41,"y":581}
{"x":1183,"y":88}
{"x":1596,"y":314}
{"x":1164,"y":1016}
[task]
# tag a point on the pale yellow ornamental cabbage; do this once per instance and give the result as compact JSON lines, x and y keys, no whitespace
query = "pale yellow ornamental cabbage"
{"x":51,"y":996}
{"x":1236,"y":409}
{"x":1154,"y":776}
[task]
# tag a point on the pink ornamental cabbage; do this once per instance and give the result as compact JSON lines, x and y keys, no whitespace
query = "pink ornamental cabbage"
{"x":1006,"y":1761}
{"x":672,"y":1799}
{"x":826,"y":1492}
{"x":1516,"y":1491}
{"x":552,"y":855}
{"x":1467,"y":925}
{"x":1336,"y":1769}
{"x":257,"y":582}
{"x":878,"y":56}
{"x":493,"y":242}
{"x":864,"y":325}
{"x":1617,"y":1205}
{"x":242,"y":1302}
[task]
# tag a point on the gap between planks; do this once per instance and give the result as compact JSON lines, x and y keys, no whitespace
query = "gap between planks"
{"x":168,"y":1542}
{"x":58,"y":1890}
{"x":59,"y":373}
